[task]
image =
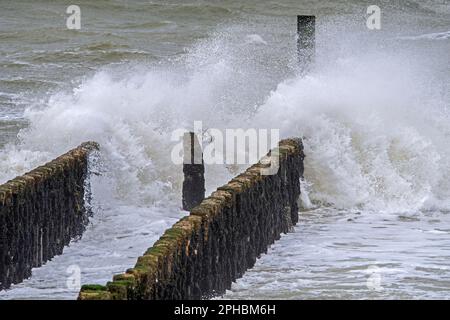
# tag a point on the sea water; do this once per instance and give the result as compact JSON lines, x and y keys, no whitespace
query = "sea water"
{"x":373,"y":113}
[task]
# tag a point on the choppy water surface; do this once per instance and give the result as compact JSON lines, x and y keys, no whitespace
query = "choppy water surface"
{"x":373,"y":114}
{"x":354,"y":255}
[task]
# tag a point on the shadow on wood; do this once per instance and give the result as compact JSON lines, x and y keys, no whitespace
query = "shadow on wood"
{"x":194,"y":172}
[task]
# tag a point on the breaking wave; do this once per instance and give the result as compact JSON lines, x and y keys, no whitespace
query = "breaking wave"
{"x":375,"y":124}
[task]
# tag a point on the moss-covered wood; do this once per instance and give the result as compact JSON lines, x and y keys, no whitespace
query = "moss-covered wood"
{"x":203,"y":253}
{"x":40,"y":212}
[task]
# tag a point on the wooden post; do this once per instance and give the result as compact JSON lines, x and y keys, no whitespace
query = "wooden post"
{"x":194,"y":172}
{"x":306,"y":38}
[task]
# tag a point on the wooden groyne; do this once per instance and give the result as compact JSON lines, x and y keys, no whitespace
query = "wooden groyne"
{"x":40,"y":212}
{"x":204,"y":252}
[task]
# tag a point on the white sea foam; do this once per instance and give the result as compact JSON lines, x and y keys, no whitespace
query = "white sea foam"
{"x":255,"y":38}
{"x":375,"y":127}
{"x":132,"y":118}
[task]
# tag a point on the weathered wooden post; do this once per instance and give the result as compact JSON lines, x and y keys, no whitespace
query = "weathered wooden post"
{"x":194,"y":172}
{"x":306,"y":38}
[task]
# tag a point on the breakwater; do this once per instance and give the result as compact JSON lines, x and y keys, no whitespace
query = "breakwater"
{"x":41,"y":212}
{"x":204,"y":252}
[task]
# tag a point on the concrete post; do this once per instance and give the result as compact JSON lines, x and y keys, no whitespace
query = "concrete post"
{"x":194,"y":172}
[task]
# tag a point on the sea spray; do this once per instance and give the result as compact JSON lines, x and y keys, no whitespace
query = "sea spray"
{"x":373,"y":115}
{"x":373,"y":119}
{"x":374,"y":134}
{"x":131,"y":111}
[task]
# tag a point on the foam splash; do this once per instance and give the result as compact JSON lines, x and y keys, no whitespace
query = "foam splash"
{"x":375,"y":134}
{"x":131,"y":112}
{"x":375,"y":126}
{"x":429,"y":36}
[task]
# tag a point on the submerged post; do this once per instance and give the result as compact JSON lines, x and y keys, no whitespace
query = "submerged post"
{"x":306,"y":37}
{"x":194,"y":172}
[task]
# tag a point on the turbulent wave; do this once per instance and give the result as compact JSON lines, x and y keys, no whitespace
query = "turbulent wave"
{"x":375,"y":125}
{"x":376,"y":135}
{"x":430,"y":36}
